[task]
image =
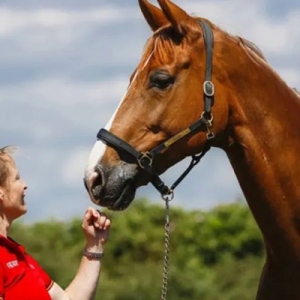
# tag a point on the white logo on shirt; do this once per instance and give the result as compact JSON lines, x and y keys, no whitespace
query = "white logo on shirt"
{"x":12,"y":264}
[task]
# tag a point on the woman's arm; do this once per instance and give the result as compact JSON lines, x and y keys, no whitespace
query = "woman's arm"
{"x":96,"y":229}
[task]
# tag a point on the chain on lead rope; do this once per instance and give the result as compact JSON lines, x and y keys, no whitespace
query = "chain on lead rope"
{"x":165,"y":276}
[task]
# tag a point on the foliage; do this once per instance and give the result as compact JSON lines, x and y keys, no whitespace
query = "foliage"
{"x":214,"y":255}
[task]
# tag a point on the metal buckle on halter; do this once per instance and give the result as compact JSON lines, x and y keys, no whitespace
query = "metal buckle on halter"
{"x":208,"y":88}
{"x":142,"y":160}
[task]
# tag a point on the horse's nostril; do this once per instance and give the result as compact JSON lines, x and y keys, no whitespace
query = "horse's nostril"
{"x":98,"y":183}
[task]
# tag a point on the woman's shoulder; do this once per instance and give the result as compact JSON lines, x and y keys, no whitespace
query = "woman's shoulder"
{"x":9,"y":247}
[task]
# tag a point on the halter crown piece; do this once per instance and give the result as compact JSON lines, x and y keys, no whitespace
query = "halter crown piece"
{"x":145,"y":159}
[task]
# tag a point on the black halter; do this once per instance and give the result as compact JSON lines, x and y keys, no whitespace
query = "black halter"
{"x":145,"y":159}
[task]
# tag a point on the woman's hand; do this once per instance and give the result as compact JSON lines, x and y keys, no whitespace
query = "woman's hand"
{"x":96,"y":226}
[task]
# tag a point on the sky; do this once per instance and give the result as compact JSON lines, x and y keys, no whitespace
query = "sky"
{"x":64,"y":67}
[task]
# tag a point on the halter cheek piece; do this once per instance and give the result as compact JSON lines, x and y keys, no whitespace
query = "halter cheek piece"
{"x":145,"y":159}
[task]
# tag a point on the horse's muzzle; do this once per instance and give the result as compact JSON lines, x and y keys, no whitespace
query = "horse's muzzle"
{"x":112,"y":187}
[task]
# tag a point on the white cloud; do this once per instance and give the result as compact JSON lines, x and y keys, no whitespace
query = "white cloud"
{"x":54,"y":110}
{"x":251,"y":20}
{"x":13,"y":21}
{"x":291,"y":76}
{"x":64,"y":92}
{"x":73,"y":168}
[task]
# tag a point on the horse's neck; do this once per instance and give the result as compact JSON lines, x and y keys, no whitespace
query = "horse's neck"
{"x":264,"y":152}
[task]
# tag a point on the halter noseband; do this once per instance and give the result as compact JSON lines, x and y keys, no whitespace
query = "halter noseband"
{"x":145,"y":159}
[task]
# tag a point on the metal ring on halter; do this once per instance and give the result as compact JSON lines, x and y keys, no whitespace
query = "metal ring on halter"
{"x":143,"y":156}
{"x":168,"y":197}
{"x":210,"y":135}
{"x":210,"y":120}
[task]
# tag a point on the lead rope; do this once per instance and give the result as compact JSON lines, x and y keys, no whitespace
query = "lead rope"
{"x":165,"y":277}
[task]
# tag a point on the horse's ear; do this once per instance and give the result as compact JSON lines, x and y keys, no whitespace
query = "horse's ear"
{"x":179,"y":18}
{"x":153,"y":15}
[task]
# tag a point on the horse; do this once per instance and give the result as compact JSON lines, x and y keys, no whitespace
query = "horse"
{"x":195,"y":87}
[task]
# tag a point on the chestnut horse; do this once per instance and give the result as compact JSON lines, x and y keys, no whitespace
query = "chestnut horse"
{"x":197,"y":86}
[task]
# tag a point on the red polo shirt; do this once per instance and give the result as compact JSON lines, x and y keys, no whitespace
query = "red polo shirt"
{"x":21,"y":277}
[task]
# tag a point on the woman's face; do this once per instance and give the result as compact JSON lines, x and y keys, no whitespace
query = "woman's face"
{"x":13,"y":193}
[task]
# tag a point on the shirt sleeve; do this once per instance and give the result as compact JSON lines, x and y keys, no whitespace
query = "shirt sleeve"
{"x":40,"y":273}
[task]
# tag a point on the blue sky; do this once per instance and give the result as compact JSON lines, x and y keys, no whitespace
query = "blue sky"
{"x":64,"y":66}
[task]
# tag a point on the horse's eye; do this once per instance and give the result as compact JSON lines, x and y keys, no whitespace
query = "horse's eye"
{"x":161,"y":80}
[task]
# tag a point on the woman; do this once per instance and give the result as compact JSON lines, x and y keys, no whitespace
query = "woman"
{"x":21,"y":277}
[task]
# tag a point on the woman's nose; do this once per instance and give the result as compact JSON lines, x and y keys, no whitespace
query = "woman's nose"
{"x":25,"y":185}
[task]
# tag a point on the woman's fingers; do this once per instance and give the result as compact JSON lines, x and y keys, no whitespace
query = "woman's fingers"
{"x":96,"y":218}
{"x":88,"y":217}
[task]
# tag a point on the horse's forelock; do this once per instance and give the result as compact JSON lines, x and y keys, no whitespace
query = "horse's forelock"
{"x":163,"y":45}
{"x":164,"y":50}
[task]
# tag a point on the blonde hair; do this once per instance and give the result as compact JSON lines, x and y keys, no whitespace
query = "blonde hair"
{"x":5,"y":152}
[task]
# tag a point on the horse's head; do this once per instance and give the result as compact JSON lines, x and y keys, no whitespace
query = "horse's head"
{"x":164,"y":98}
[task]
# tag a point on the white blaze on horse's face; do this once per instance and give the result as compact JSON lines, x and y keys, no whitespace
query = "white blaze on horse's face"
{"x":99,"y":147}
{"x":98,"y":152}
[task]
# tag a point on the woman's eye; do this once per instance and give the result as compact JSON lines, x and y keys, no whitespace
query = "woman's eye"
{"x":161,"y":81}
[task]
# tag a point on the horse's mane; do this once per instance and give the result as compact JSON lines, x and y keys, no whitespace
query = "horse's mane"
{"x":257,"y":55}
{"x":251,"y":46}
